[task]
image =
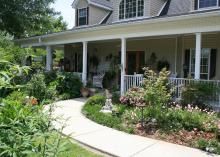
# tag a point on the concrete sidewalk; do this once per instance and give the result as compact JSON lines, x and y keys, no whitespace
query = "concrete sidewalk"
{"x":114,"y":142}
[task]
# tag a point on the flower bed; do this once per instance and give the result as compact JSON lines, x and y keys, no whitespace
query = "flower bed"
{"x":147,"y":111}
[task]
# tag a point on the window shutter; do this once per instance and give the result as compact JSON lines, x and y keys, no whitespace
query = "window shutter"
{"x":187,"y":63}
{"x":77,"y":17}
{"x":196,"y":4}
{"x":213,"y":58}
{"x":87,"y":15}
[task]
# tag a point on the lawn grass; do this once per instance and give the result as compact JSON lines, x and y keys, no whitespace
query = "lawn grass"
{"x":75,"y":150}
{"x":70,"y":148}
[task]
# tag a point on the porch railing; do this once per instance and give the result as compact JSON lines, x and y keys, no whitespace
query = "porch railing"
{"x":132,"y":81}
{"x":177,"y":84}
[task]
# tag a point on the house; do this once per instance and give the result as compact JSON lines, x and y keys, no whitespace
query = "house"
{"x":184,"y":34}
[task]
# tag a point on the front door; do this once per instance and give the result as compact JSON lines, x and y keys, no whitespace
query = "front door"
{"x":135,"y":62}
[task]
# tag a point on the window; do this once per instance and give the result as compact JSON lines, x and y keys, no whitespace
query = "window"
{"x":82,"y":16}
{"x":207,"y":3}
{"x":205,"y":63}
{"x":131,"y":9}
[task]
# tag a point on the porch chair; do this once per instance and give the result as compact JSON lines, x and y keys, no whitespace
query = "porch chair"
{"x":97,"y":80}
{"x":102,"y":69}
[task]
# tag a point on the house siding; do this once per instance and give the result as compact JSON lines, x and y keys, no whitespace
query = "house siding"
{"x":96,"y":15}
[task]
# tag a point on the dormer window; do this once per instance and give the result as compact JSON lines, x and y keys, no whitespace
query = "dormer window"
{"x":82,"y":16}
{"x":207,"y":4}
{"x":131,"y":9}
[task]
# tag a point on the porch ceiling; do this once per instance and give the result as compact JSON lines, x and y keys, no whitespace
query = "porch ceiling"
{"x":175,"y":25}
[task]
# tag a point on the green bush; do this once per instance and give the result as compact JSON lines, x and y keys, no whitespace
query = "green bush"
{"x":199,"y":93}
{"x":156,"y":87}
{"x":154,"y":90}
{"x":17,"y":96}
{"x":69,"y":84}
{"x":20,"y":128}
{"x":50,"y":76}
{"x":37,"y":87}
{"x":211,"y":146}
{"x":96,"y":100}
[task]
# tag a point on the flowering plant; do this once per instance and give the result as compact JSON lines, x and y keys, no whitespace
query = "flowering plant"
{"x":134,"y":97}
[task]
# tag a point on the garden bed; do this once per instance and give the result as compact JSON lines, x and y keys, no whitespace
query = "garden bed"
{"x":149,"y":111}
{"x":185,"y":126}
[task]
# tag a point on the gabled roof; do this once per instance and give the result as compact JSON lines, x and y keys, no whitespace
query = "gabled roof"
{"x":99,"y":3}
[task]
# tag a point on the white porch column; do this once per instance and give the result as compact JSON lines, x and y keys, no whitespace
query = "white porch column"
{"x":84,"y":73}
{"x":198,"y":55}
{"x":123,"y":64}
{"x":49,"y":59}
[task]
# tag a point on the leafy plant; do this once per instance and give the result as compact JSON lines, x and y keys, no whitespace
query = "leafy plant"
{"x":37,"y":87}
{"x":199,"y":93}
{"x":69,"y":84}
{"x":156,"y":87}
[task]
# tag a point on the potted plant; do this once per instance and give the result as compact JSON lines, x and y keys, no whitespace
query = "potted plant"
{"x":85,"y":92}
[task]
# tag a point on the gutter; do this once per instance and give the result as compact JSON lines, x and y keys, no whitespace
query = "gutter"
{"x":150,"y":20}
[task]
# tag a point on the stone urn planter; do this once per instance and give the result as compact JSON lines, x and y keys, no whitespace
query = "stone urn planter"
{"x":85,"y":92}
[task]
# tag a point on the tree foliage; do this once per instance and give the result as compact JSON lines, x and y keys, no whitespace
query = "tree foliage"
{"x":23,"y":18}
{"x":10,"y":52}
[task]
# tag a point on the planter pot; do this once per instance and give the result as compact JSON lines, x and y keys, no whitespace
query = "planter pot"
{"x":85,"y":92}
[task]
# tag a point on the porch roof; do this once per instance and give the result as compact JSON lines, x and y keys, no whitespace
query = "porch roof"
{"x":198,"y":21}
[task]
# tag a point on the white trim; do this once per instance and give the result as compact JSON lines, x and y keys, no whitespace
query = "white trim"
{"x":87,"y":18}
{"x":162,"y":8}
{"x":85,"y":55}
{"x":116,"y":25}
{"x":209,"y":62}
{"x":136,"y":16}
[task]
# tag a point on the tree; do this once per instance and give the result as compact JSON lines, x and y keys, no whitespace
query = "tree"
{"x":10,"y":52}
{"x":23,"y":18}
{"x":52,"y":24}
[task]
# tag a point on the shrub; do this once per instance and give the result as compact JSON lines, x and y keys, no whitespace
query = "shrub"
{"x":69,"y":84}
{"x":37,"y":87}
{"x":199,"y":93}
{"x":154,"y":90}
{"x":96,"y":100}
{"x":17,"y":96}
{"x":211,"y":146}
{"x":156,"y":87}
{"x":22,"y":126}
{"x":135,"y":96}
{"x":50,"y":77}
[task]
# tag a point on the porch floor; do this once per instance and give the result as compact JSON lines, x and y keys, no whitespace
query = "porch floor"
{"x":113,"y":142}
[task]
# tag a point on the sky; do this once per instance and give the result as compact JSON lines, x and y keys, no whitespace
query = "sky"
{"x":68,"y":13}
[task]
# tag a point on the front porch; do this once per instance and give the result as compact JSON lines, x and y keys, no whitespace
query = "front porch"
{"x":189,"y":57}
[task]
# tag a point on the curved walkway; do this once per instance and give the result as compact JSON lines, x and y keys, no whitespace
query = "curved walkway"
{"x":114,"y":142}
